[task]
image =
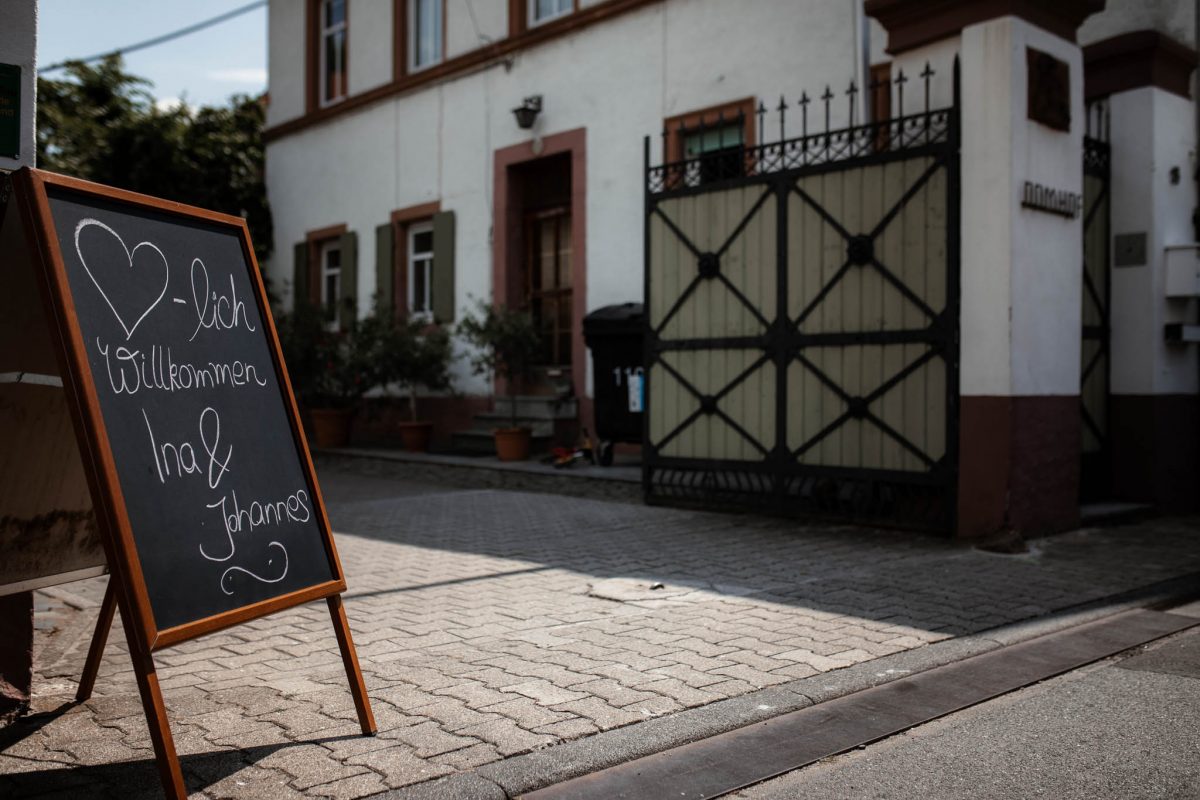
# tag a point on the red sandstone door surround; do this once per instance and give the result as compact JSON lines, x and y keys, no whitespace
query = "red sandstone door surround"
{"x":509,"y":253}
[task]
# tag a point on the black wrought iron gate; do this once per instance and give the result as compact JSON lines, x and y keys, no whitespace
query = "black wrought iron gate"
{"x":1095,"y":472}
{"x":803,"y":316}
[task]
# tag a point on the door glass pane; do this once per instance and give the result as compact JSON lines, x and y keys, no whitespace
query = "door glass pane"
{"x":546,"y":254}
{"x":335,"y":12}
{"x":564,"y":251}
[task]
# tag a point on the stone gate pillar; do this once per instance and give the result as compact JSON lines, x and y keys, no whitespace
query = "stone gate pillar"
{"x":1143,"y":82}
{"x":1022,"y":111}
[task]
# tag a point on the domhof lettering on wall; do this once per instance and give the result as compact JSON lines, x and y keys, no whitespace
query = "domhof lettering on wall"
{"x":1064,"y":203}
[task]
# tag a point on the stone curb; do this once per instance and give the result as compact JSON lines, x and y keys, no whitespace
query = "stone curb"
{"x":467,"y":474}
{"x":514,"y":776}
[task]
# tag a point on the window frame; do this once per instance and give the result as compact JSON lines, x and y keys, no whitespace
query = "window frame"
{"x":324,"y":247}
{"x":411,"y":31}
{"x":532,"y":21}
{"x":402,"y":219}
{"x":411,"y":231}
{"x":679,"y":127}
{"x":322,"y":33}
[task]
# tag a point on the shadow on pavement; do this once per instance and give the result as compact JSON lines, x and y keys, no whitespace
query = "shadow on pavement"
{"x":134,"y":780}
{"x":901,"y":578}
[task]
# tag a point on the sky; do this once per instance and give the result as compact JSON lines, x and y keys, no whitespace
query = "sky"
{"x":204,"y":68}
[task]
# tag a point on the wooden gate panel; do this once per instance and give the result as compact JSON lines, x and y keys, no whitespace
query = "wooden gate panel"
{"x":738,"y":227}
{"x":742,"y":430}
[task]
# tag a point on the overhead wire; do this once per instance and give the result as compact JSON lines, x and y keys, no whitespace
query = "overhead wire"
{"x":157,"y":40}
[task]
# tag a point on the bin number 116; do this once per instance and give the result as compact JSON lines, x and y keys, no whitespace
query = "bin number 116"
{"x":635,"y":380}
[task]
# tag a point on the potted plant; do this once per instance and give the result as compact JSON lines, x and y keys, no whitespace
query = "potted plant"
{"x":332,"y":369}
{"x":508,"y":345}
{"x":419,"y":355}
{"x":299,"y":333}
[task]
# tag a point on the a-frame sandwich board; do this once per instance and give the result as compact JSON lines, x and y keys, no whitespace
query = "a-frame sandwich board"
{"x":201,"y":482}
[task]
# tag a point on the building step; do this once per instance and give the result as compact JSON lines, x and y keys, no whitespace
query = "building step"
{"x":538,"y":407}
{"x":488,"y":421}
{"x":1113,"y":513}
{"x":478,"y":441}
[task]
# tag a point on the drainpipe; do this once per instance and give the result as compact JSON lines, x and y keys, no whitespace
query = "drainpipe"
{"x":862,"y":44}
{"x":1196,"y":104}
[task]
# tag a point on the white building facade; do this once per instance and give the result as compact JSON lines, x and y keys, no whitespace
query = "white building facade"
{"x":398,"y":174}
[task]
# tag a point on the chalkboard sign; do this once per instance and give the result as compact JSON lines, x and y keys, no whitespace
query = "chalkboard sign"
{"x":196,"y":419}
{"x":201,"y":484}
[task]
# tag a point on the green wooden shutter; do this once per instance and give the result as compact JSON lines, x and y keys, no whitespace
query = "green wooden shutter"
{"x":348,"y":303}
{"x":300,"y":284}
{"x":443,"y":267}
{"x":385,"y":269}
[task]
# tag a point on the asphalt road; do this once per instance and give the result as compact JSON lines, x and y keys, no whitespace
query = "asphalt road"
{"x":1128,"y":727}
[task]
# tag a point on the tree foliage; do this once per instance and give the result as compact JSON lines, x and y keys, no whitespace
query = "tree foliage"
{"x":101,"y":124}
{"x":508,"y":345}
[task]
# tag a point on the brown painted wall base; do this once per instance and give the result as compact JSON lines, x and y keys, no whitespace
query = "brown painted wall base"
{"x":1018,"y":465}
{"x":16,"y":654}
{"x":1156,"y":449}
{"x":377,"y":421}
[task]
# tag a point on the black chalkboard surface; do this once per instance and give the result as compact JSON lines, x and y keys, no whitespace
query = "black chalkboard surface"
{"x":221,"y":508}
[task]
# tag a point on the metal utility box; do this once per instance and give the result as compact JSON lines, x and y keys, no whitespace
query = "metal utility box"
{"x":1183,"y":271}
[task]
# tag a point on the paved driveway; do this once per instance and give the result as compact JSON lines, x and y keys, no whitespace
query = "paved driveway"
{"x":491,"y":623}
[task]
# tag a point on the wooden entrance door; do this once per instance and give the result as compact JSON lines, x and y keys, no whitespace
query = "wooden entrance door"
{"x":548,"y":281}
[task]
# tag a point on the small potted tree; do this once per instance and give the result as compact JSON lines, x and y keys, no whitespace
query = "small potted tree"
{"x":508,"y":346}
{"x":419,"y":356}
{"x":300,"y":332}
{"x":332,"y":370}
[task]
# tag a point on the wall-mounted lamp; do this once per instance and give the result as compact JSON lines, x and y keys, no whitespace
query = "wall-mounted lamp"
{"x":527,"y":112}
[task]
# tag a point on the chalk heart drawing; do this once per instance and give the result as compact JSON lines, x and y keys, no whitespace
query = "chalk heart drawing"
{"x":145,"y":262}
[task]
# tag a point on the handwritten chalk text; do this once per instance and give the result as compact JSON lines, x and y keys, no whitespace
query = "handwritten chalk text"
{"x":131,"y":370}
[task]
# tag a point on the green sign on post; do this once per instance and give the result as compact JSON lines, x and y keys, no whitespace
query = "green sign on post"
{"x":10,"y":110}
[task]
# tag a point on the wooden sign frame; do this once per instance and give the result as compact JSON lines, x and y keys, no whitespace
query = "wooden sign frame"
{"x":127,"y":585}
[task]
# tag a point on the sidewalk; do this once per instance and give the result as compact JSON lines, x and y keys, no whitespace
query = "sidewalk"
{"x":492,"y":624}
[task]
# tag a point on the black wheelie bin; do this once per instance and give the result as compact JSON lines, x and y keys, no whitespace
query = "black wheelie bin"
{"x":614,"y":335}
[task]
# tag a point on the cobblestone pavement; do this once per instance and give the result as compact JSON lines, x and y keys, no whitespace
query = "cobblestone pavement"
{"x":492,"y":623}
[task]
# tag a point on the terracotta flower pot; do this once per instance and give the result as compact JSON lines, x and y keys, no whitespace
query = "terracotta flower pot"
{"x":331,"y":426}
{"x":512,"y":444}
{"x":416,"y":436}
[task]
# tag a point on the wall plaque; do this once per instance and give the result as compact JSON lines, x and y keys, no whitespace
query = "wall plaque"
{"x":1049,"y":90}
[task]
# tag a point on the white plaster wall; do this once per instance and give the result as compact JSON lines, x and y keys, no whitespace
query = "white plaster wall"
{"x":371,"y":43}
{"x":1176,"y":18}
{"x":1132,"y":211}
{"x":285,"y":60}
{"x":939,"y":56}
{"x":1021,"y":269}
{"x":1174,"y":144}
{"x":618,"y":80}
{"x":18,"y":45}
{"x":462,"y":35}
{"x":877,"y":39}
{"x":987,"y":191}
{"x":1047,"y":264}
{"x":1151,"y":133}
